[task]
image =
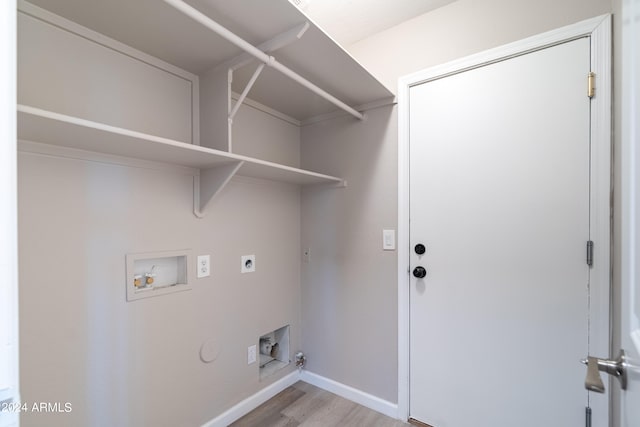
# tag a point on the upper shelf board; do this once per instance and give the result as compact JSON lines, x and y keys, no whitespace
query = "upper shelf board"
{"x":56,"y":129}
{"x":156,"y":28}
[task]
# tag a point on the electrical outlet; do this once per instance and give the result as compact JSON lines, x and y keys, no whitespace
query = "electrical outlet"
{"x":252,"y":354}
{"x":204,"y":266}
{"x":248,"y":263}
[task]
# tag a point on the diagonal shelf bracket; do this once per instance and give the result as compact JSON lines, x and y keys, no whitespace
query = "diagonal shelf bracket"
{"x":209,"y":183}
{"x":47,"y":132}
{"x":278,"y":42}
{"x":270,"y":61}
{"x":245,"y":92}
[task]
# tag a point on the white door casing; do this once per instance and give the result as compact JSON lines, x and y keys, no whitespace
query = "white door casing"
{"x":9,"y":383}
{"x":598,"y":29}
{"x":630,"y":229}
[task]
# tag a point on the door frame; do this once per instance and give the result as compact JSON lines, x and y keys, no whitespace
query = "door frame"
{"x":600,"y":31}
{"x":9,"y":331}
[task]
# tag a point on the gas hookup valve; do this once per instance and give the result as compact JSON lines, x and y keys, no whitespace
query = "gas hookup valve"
{"x":300,"y":360}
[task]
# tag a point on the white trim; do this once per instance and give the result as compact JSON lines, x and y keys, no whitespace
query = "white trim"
{"x":365,"y":399}
{"x":195,"y":111}
{"x":629,"y":191}
{"x":601,"y":212}
{"x":403,"y":251}
{"x":102,"y":40}
{"x":9,"y":318}
{"x":581,"y":29}
{"x":250,"y":403}
{"x":599,"y":29}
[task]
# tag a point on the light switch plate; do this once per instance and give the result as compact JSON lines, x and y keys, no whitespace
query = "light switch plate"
{"x":389,"y":240}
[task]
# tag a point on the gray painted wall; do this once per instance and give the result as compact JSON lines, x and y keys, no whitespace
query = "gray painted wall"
{"x":260,"y":135}
{"x":349,"y":292}
{"x":62,"y":72}
{"x":122,"y":363}
{"x":462,"y":28}
{"x":137,"y":363}
{"x":81,"y":342}
{"x":349,"y":288}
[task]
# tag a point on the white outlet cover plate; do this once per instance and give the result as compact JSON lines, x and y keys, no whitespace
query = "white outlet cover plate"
{"x":204,"y":266}
{"x":252,"y":354}
{"x":247,"y":263}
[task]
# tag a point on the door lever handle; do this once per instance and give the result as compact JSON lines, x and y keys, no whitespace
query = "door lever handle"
{"x":593,"y":382}
{"x":616,"y":367}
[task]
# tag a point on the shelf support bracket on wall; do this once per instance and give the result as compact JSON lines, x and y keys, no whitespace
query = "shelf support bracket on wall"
{"x":245,"y":92}
{"x":277,"y":42}
{"x":281,"y":40}
{"x":196,"y":15}
{"x":209,"y":183}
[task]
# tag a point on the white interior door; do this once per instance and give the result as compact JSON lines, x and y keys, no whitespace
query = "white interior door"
{"x":499,"y":196}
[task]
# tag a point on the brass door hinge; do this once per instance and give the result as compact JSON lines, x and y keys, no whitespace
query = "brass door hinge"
{"x":591,"y":81}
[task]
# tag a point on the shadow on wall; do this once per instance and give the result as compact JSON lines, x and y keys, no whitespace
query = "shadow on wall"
{"x":349,"y":294}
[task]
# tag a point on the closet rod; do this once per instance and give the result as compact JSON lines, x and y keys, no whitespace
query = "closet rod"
{"x":260,"y":55}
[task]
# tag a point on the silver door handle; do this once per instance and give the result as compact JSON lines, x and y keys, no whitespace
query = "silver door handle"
{"x":616,"y":367}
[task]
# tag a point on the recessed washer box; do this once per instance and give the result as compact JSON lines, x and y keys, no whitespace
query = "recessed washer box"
{"x":152,"y":274}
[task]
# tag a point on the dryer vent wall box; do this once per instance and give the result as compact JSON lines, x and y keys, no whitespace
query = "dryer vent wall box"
{"x":156,"y":273}
{"x":274,"y":351}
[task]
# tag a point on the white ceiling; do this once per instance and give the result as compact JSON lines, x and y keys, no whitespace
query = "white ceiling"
{"x":348,"y":21}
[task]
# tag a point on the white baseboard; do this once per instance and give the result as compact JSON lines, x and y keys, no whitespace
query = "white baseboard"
{"x":252,"y":402}
{"x":249,"y":404}
{"x":365,"y":399}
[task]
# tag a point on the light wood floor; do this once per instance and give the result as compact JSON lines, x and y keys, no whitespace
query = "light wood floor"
{"x":305,"y":405}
